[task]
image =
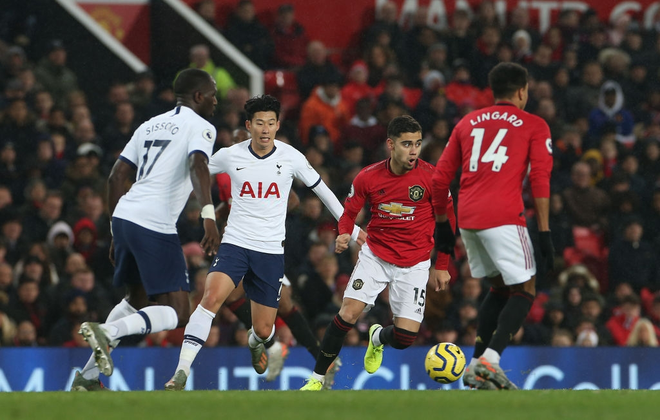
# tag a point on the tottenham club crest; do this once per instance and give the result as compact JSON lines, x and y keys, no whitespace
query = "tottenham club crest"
{"x":415,"y":193}
{"x":357,"y":284}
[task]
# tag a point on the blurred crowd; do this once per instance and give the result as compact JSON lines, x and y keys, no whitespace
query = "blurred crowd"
{"x":596,"y":83}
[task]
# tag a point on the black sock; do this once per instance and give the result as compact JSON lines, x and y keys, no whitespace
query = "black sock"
{"x":331,"y":344}
{"x":301,"y":331}
{"x":242,"y":309}
{"x":397,"y":338}
{"x":489,"y":312}
{"x":386,"y":335}
{"x":511,"y":319}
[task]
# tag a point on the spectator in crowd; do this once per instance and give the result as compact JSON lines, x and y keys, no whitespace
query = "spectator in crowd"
{"x":200,"y":58}
{"x":248,"y":34}
{"x":316,"y":70}
{"x":584,"y":97}
{"x":624,"y":318}
{"x":38,"y":224}
{"x":643,"y":334}
{"x":325,"y":107}
{"x":53,"y":74}
{"x":386,"y":24}
{"x":586,"y":204}
{"x":611,"y":115}
{"x":206,"y":10}
{"x":356,"y":87}
{"x":289,"y":38}
{"x":632,"y":260}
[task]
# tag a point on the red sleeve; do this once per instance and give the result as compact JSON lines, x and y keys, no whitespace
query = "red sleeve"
{"x":442,"y":260}
{"x":540,"y":159}
{"x":444,"y":173}
{"x":353,"y":204}
{"x":224,"y":187}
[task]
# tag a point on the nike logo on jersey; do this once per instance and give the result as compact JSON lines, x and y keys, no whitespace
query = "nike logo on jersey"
{"x":240,"y":169}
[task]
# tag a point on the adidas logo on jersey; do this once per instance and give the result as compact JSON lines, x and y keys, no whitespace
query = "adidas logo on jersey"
{"x":418,"y":311}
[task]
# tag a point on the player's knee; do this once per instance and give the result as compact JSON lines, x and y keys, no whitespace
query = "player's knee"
{"x":527,"y":287}
{"x":182,"y":319}
{"x":262,"y":331}
{"x":403,"y":338}
{"x":285,"y":307}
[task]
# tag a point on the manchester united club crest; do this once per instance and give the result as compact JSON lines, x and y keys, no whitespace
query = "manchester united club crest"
{"x":415,"y":193}
{"x":357,"y":284}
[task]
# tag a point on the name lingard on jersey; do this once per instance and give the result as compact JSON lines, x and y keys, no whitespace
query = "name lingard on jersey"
{"x":495,"y":115}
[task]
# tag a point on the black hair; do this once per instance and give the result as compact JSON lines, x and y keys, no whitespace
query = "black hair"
{"x":506,"y":78}
{"x":190,"y":81}
{"x":262,"y":103}
{"x":403,"y":124}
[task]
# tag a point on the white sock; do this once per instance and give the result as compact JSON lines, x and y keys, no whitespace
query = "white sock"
{"x":473,"y":362}
{"x":195,"y":335}
{"x":318,"y":377}
{"x":375,"y":337}
{"x":148,"y":320}
{"x":122,"y":309}
{"x":254,"y":340}
{"x":492,"y":356}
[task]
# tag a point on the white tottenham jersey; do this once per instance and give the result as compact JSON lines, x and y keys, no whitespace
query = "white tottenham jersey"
{"x":260,"y":189}
{"x":159,"y":151}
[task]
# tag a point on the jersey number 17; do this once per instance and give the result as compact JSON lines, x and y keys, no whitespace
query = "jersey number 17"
{"x":162,"y":145}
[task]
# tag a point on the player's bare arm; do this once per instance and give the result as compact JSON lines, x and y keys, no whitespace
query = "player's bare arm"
{"x":201,"y":180}
{"x":341,"y":243}
{"x":119,"y":182}
{"x":439,"y":279}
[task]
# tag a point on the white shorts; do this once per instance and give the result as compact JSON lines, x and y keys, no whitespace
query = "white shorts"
{"x":505,"y":250}
{"x":407,"y":284}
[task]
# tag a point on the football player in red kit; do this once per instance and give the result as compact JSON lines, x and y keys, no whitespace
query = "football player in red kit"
{"x":496,"y":147}
{"x":397,"y":252}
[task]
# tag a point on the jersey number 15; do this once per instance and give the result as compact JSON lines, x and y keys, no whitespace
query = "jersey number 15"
{"x":495,"y":153}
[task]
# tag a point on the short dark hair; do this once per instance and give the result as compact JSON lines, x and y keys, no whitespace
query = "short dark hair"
{"x":262,"y":103}
{"x":506,"y":78}
{"x":190,"y":81}
{"x":402,"y":124}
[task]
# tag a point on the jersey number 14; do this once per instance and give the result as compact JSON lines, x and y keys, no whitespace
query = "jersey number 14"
{"x":495,"y":153}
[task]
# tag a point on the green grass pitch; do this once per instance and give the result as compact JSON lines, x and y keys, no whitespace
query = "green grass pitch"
{"x":332,"y":405}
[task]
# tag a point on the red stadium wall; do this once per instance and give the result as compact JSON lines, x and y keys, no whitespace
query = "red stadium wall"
{"x":338,"y":23}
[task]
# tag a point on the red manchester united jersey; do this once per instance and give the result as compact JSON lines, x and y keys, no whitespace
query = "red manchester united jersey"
{"x":496,"y":147}
{"x":402,"y":220}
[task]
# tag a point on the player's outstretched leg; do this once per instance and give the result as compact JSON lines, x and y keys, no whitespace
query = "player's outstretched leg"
{"x":330,"y":348}
{"x":373,"y":357}
{"x":100,"y":344}
{"x":472,"y":381}
{"x":150,"y":319}
{"x":493,"y":372}
{"x":329,"y":380}
{"x":177,"y":382}
{"x":258,"y":351}
{"x":509,"y":322}
{"x":81,"y":384}
{"x":487,"y":317}
{"x":89,"y":375}
{"x":277,"y":354}
{"x":194,"y":337}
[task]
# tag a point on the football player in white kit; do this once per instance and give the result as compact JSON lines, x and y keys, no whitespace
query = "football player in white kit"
{"x":262,"y":171}
{"x":167,"y":157}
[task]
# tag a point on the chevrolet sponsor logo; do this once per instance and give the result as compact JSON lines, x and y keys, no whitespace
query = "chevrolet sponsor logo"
{"x":396,"y":209}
